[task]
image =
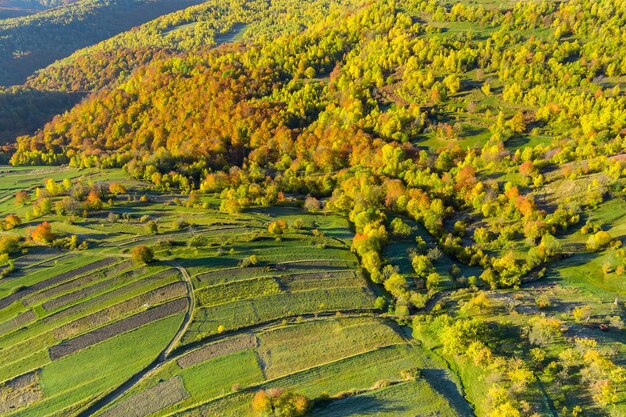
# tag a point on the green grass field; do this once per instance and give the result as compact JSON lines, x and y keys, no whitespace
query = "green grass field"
{"x":300,"y":317}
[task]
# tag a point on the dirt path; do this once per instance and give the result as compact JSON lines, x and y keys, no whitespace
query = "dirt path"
{"x":188,"y":315}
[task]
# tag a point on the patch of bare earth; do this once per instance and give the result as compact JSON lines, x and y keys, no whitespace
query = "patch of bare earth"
{"x":162,"y":395}
{"x":79,"y":282}
{"x":19,"y":392}
{"x":85,"y":292}
{"x":223,"y":347}
{"x":111,"y":295}
{"x":17,"y":321}
{"x":7,"y":301}
{"x":117,"y":311}
{"x":101,"y":334}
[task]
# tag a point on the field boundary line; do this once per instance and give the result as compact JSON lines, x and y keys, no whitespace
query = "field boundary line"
{"x":160,"y":360}
{"x":188,"y":315}
{"x":255,"y":386}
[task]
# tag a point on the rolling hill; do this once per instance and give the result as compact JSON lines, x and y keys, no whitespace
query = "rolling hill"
{"x":324,"y":208}
{"x":32,"y":42}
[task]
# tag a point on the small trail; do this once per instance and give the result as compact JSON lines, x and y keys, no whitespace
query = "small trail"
{"x":188,"y":315}
{"x":155,"y":364}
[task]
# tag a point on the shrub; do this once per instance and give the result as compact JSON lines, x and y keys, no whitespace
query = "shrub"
{"x":581,"y":313}
{"x":457,"y":336}
{"x":380,"y":303}
{"x":11,"y":221}
{"x":181,"y":224}
{"x":411,"y":374}
{"x":197,"y":241}
{"x":312,"y":204}
{"x":297,"y":224}
{"x":421,"y":265}
{"x":543,"y":301}
{"x":22,"y":198}
{"x":433,"y":281}
{"x":400,"y":229}
{"x":117,"y":188}
{"x":249,"y":261}
{"x":402,"y":312}
{"x":142,"y":254}
{"x":152,"y":228}
{"x":434,"y":254}
{"x":277,"y":227}
{"x":230,"y":206}
{"x":70,"y":243}
{"x":541,"y":331}
{"x":9,"y":244}
{"x":598,"y":240}
{"x":279,"y":403}
{"x":42,"y":233}
{"x":396,"y":284}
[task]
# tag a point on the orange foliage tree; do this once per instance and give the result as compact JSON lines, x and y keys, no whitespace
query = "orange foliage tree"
{"x":42,"y":233}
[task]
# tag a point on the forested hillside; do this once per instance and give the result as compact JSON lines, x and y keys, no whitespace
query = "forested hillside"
{"x":23,"y":109}
{"x":477,"y":152}
{"x":55,"y":88}
{"x":31,"y":42}
{"x":16,"y":8}
{"x":198,"y":27}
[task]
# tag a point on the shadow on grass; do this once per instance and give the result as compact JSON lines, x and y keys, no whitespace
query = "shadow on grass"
{"x":438,"y":379}
{"x":358,"y":406}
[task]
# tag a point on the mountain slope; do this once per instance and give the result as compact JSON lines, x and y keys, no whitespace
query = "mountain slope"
{"x":112,"y":61}
{"x":17,"y":8}
{"x":32,"y":42}
{"x":201,"y":26}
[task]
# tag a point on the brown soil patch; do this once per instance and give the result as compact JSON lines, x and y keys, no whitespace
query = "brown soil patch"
{"x":17,"y":322}
{"x":79,"y":282}
{"x":223,"y":347}
{"x":153,"y":399}
{"x":118,"y":311}
{"x":122,"y":326}
{"x":85,"y":292}
{"x":19,"y":392}
{"x":109,"y":295}
{"x":7,"y":301}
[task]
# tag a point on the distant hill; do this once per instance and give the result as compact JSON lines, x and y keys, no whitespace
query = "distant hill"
{"x":56,"y":88}
{"x":201,"y":26}
{"x":31,"y":42}
{"x":17,"y":8}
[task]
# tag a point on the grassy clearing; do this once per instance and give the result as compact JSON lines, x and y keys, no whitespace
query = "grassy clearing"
{"x":161,"y":395}
{"x":21,"y":348}
{"x":251,"y":312}
{"x":407,"y":399}
{"x":300,"y":346}
{"x":239,"y":290}
{"x":298,"y":273}
{"x":356,"y":372}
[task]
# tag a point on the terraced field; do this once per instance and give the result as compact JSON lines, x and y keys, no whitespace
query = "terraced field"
{"x":226,"y":308}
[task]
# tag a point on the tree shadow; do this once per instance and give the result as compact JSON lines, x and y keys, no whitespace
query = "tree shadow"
{"x":358,"y":405}
{"x":438,"y":379}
